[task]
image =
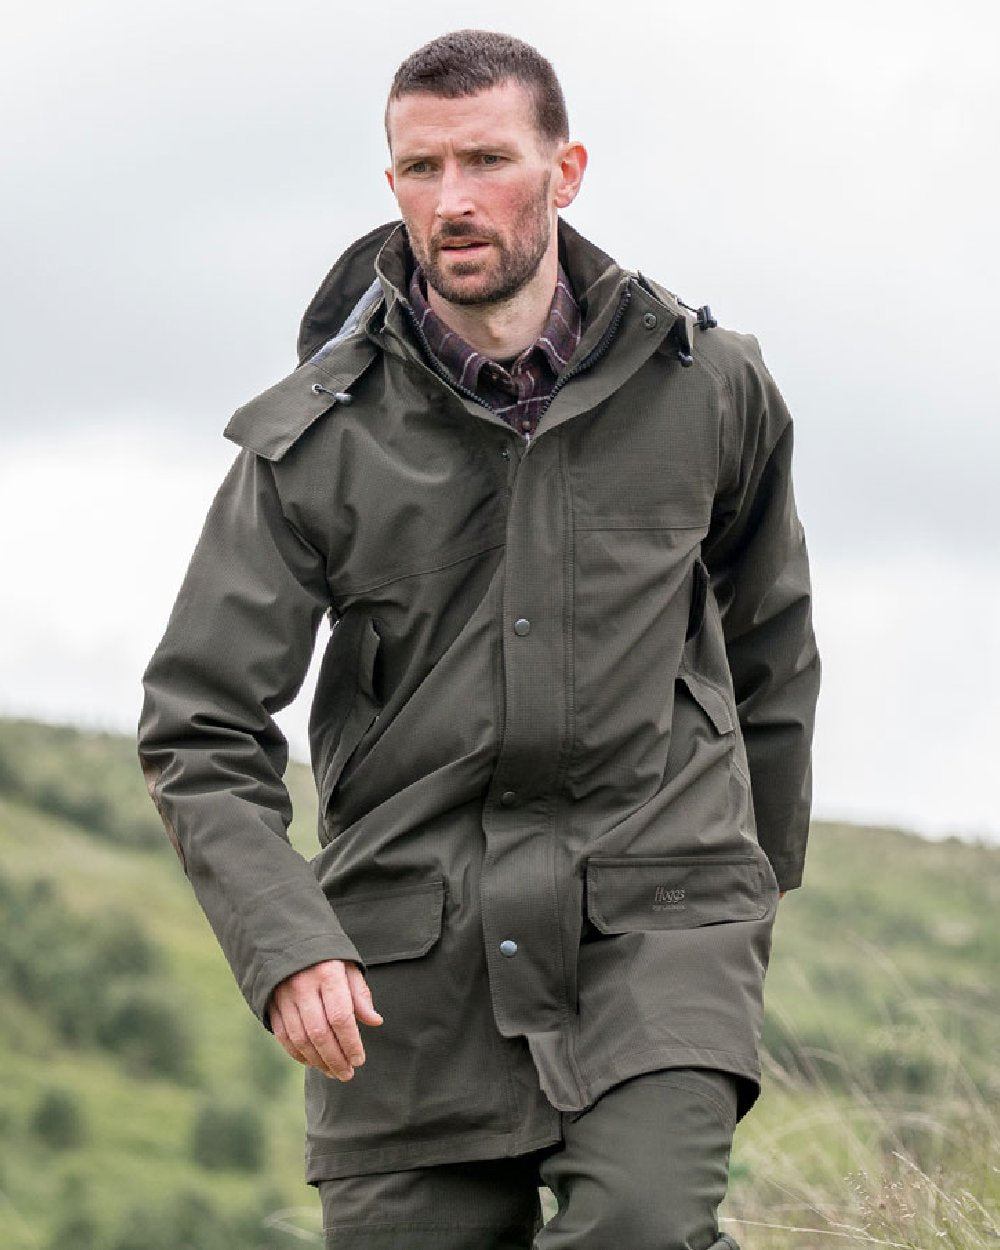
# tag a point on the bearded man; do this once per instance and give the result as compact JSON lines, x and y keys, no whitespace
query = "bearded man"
{"x":561,"y":733}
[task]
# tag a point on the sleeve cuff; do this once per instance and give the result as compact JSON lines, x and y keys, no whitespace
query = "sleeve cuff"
{"x":303,"y":954}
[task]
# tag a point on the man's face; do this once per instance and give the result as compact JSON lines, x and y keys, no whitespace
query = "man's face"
{"x":476,"y":187}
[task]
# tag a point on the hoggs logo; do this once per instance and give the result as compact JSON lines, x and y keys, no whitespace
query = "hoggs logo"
{"x":667,"y":899}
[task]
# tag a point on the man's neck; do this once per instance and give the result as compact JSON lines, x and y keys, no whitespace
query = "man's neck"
{"x":502,"y":331}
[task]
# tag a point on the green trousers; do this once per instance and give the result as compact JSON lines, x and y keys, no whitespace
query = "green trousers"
{"x":645,"y":1168}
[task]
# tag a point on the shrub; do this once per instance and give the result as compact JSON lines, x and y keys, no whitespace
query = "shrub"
{"x":143,"y":1229}
{"x":228,"y":1136}
{"x":122,"y":947}
{"x":58,"y":1119}
{"x":144,"y":1024}
{"x":77,"y":1229}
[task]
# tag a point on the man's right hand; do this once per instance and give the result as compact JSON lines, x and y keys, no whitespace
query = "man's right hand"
{"x":314,"y":1015}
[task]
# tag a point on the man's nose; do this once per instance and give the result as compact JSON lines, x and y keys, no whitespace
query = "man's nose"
{"x":453,"y":194}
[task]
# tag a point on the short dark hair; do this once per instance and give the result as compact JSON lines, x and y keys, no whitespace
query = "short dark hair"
{"x":465,"y":62}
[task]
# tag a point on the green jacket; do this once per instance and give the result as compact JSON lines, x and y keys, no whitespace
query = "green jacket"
{"x":562,"y":726}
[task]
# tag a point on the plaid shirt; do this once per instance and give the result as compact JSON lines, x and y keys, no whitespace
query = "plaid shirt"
{"x":519,"y":391}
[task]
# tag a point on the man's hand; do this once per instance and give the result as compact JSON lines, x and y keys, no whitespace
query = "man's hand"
{"x":314,"y":1015}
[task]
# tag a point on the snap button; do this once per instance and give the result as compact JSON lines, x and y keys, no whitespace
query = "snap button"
{"x":649,"y":320}
{"x":508,"y":948}
{"x":522,"y":626}
{"x":508,"y":798}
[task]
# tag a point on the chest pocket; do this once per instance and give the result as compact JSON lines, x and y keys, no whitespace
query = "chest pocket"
{"x":363,"y":714}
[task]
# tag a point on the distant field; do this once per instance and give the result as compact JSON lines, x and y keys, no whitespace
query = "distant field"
{"x":142,"y":1108}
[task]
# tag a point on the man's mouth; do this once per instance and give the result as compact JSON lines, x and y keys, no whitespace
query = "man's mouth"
{"x":462,"y":245}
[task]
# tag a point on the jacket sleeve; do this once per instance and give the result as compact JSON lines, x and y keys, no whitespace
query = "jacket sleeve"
{"x":236,"y":650}
{"x":756,"y":554}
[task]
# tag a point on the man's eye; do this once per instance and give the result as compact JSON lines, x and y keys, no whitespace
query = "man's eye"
{"x":417,"y":167}
{"x":490,"y":158}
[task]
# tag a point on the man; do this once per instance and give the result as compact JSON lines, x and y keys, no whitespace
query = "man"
{"x":561,"y":731}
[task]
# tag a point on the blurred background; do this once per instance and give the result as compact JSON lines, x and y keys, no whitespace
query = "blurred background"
{"x":177,"y":178}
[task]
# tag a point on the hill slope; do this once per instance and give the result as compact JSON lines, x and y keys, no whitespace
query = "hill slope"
{"x":142,"y":1106}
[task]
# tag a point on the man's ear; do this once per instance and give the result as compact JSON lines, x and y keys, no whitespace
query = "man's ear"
{"x":572,"y":164}
{"x":390,"y":180}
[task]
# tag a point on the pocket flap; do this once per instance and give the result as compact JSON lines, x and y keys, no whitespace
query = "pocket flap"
{"x":711,"y":701}
{"x":672,"y":892}
{"x":396,"y":923}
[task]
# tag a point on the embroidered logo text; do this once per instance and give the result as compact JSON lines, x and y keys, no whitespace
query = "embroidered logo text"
{"x":667,"y":899}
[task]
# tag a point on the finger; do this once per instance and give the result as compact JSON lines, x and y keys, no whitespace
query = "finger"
{"x":338,"y":1008}
{"x":361,"y":995}
{"x":308,"y":1027}
{"x":323,"y":1038}
{"x":281,"y":1034}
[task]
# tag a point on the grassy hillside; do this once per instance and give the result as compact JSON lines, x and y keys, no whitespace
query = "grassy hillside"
{"x":142,"y":1108}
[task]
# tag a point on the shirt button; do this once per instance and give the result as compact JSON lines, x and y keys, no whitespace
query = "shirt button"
{"x":508,"y":948}
{"x":649,"y":321}
{"x":522,"y":626}
{"x":508,"y":798}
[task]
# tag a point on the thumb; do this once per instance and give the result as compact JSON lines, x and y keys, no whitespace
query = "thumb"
{"x":364,"y":1008}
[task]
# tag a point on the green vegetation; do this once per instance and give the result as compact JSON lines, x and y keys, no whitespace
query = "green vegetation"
{"x":94,"y":980}
{"x":142,"y":1106}
{"x":87,"y":778}
{"x":879,"y":1123}
{"x":228,"y":1136}
{"x":59,"y":1120}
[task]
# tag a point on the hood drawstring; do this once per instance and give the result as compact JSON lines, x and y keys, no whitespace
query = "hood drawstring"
{"x":704,"y":320}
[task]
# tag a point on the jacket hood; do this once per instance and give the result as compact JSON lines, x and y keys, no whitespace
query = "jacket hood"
{"x":339,"y":292}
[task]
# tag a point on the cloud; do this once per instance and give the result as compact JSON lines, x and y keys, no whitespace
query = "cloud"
{"x":906,"y":727}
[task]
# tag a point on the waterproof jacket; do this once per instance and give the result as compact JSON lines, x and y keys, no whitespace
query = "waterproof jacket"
{"x":562,"y":725}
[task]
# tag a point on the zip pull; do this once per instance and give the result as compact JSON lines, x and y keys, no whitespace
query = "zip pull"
{"x":340,"y":397}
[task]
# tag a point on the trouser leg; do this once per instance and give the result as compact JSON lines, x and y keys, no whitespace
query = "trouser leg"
{"x":646,"y":1167}
{"x":491,"y":1205}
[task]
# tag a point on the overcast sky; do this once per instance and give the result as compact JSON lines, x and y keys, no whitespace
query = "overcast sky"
{"x":177,"y":178}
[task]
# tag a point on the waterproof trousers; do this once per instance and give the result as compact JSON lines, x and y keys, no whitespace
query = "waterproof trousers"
{"x":644,"y":1168}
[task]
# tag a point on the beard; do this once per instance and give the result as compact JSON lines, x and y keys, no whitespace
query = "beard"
{"x":514,"y":262}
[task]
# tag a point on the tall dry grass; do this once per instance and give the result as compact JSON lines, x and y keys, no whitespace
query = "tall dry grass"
{"x":832,"y":1161}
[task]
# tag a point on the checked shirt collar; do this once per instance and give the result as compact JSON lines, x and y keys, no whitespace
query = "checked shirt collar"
{"x":517,"y":390}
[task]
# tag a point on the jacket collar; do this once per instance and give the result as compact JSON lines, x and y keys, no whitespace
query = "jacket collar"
{"x":616,"y":308}
{"x":625,"y":320}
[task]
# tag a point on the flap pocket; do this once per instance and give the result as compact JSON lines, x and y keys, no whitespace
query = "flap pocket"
{"x":673,"y":892}
{"x":397,"y":923}
{"x":710,"y":699}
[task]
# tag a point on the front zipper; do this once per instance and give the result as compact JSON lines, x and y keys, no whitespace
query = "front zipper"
{"x":599,"y":349}
{"x":438,"y":368}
